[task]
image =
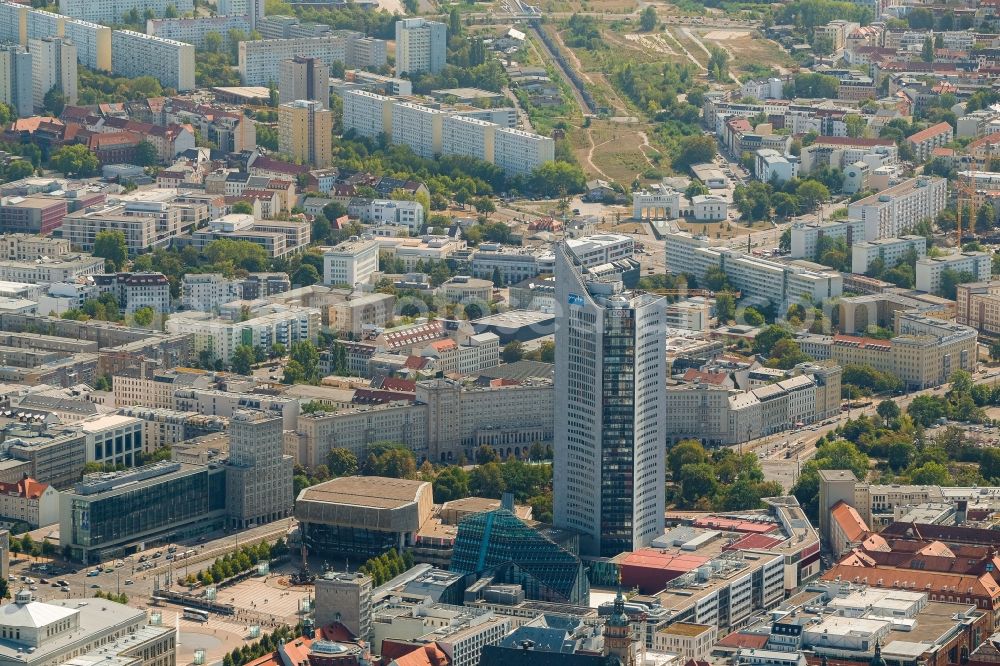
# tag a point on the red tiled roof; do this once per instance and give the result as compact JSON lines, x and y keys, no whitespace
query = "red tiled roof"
{"x":717,"y":378}
{"x":930,"y":581}
{"x":849,"y":520}
{"x":988,"y":140}
{"x":397,"y":384}
{"x":930,"y":132}
{"x":425,"y":655}
{"x":27,"y":488}
{"x":657,"y":559}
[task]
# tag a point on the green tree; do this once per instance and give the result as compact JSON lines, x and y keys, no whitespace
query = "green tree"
{"x":242,"y":208}
{"x":888,"y":410}
{"x":304,"y":353}
{"x":243,"y":359}
{"x":305,"y":275}
{"x":697,"y":481}
{"x":931,"y":474}
{"x":512,"y":351}
{"x":293,"y":373}
{"x":145,"y":154}
{"x":555,"y":178}
{"x":451,"y":484}
{"x":725,"y":307}
{"x":900,"y":454}
{"x":768,"y":338}
{"x":687,"y":452}
{"x":487,"y":481}
{"x":75,"y":160}
{"x":143,"y":316}
{"x":696,"y":150}
{"x":811,"y":194}
{"x":110,"y":245}
{"x":486,"y":454}
{"x":927,"y":50}
{"x":648,"y":19}
{"x":753,"y":317}
{"x":54,"y":101}
{"x":342,"y":462}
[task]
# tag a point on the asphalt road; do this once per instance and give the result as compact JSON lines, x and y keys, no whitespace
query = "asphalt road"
{"x":127,"y":575}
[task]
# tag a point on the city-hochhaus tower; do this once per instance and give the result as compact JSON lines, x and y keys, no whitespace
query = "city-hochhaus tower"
{"x":609,"y":411}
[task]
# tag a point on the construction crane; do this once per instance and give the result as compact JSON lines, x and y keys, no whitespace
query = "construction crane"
{"x":966,"y":187}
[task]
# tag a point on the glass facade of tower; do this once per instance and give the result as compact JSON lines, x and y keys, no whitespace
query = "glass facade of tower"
{"x":500,"y":544}
{"x":618,"y":435}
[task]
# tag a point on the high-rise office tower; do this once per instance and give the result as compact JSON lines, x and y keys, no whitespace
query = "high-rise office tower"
{"x":305,"y":132}
{"x":53,"y":63}
{"x":15,"y":79}
{"x":421,"y":46}
{"x":304,"y":78}
{"x":609,"y":424}
{"x":258,"y":473}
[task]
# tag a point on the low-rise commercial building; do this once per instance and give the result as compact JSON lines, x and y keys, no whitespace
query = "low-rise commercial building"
{"x":104,"y":515}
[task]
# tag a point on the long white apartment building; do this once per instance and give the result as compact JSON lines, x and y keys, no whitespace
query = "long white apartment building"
{"x":19,"y":23}
{"x":367,"y":113}
{"x":259,"y":60}
{"x":53,"y":65}
{"x":193,"y":30}
{"x":351,"y":262}
{"x":896,"y":210}
{"x":889,"y":250}
{"x":430,"y":132}
{"x":111,"y":12}
{"x":930,"y":269}
{"x":134,"y":54}
{"x":220,"y":337}
{"x":418,"y":127}
{"x":519,"y":153}
{"x":16,"y":80}
{"x":757,"y":278}
{"x":471,"y":137}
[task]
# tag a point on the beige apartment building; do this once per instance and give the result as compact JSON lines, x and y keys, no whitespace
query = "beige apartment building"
{"x":305,"y":132}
